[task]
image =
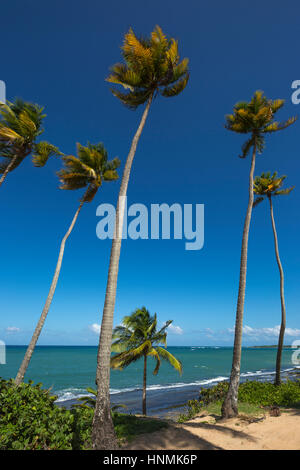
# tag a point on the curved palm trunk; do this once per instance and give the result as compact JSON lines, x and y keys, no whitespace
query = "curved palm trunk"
{"x":230,"y":405}
{"x":145,"y":386}
{"x":20,"y":376}
{"x":103,"y":434}
{"x":7,"y":170}
{"x":283,"y":312}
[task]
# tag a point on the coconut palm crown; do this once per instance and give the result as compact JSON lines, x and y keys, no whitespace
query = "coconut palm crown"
{"x":258,"y":118}
{"x":267,"y":185}
{"x":20,"y":126}
{"x":152,"y":65}
{"x":89,"y":169}
{"x":138,"y":336}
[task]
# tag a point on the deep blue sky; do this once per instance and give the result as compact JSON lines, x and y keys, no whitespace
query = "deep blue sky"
{"x":58,"y":54}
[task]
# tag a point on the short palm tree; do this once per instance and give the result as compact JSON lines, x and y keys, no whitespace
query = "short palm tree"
{"x":20,"y":126}
{"x":151,"y":67}
{"x":138,"y":338}
{"x":88,"y":170}
{"x":269,"y":186}
{"x":257,"y":118}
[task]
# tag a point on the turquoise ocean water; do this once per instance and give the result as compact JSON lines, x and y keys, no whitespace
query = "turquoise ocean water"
{"x":70,"y":369}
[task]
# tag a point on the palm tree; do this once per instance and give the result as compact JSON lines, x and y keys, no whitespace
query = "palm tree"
{"x":268,"y":186}
{"x":88,"y":170}
{"x":257,"y":119}
{"x":138,"y":338}
{"x":151,"y":67}
{"x":20,"y":126}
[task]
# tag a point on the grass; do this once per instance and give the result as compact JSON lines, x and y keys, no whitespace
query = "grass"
{"x":128,"y":427}
{"x":214,"y":409}
{"x":244,"y":409}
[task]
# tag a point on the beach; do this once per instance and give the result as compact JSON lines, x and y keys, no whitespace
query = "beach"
{"x":205,"y":433}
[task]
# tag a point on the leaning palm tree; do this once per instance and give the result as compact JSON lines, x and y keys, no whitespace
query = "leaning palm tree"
{"x":151,"y":67}
{"x":256,"y":118}
{"x":20,"y":126}
{"x":138,"y":338}
{"x":268,"y":186}
{"x":88,"y":170}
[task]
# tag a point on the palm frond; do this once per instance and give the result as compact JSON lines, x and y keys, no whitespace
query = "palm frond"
{"x":155,"y":355}
{"x":5,"y":162}
{"x":42,"y":151}
{"x":257,"y":201}
{"x":279,"y":126}
{"x":124,"y":359}
{"x":167,"y":356}
{"x":177,"y":88}
{"x":284,"y":192}
{"x":246,"y":147}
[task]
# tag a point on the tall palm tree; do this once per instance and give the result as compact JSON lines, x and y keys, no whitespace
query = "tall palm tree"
{"x":151,"y":67}
{"x":138,"y":338}
{"x":257,"y":118}
{"x":88,"y":170}
{"x":20,"y":126}
{"x":268,"y":186}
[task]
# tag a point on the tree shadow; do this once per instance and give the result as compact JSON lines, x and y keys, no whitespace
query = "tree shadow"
{"x":295,"y":411}
{"x":222,"y":429}
{"x":174,"y":437}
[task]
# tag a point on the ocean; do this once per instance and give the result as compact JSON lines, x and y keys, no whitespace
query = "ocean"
{"x":69,"y":370}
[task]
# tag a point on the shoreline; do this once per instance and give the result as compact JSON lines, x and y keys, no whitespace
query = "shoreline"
{"x":169,"y":401}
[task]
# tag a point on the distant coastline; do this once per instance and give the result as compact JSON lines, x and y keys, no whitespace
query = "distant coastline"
{"x":287,"y":346}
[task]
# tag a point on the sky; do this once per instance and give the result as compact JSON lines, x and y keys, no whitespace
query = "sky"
{"x":58,"y":54}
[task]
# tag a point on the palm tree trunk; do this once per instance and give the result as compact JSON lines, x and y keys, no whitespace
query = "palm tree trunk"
{"x":20,"y":376}
{"x":103,"y":434}
{"x":230,"y":405}
{"x":145,"y":386}
{"x":8,"y":168}
{"x":283,"y":312}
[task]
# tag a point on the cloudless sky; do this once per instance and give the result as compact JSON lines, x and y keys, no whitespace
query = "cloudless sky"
{"x":58,"y":54}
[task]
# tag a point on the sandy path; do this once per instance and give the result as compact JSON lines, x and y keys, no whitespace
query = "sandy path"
{"x":204,"y":433}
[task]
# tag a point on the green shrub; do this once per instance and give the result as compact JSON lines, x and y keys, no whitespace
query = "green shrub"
{"x":193,"y":407}
{"x":216,"y":393}
{"x":82,"y":428}
{"x":267,"y":394}
{"x":251,"y":392}
{"x":256,"y":393}
{"x":30,"y":420}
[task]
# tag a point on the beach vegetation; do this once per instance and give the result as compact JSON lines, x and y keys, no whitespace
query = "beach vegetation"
{"x":253,"y":398}
{"x":30,"y":420}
